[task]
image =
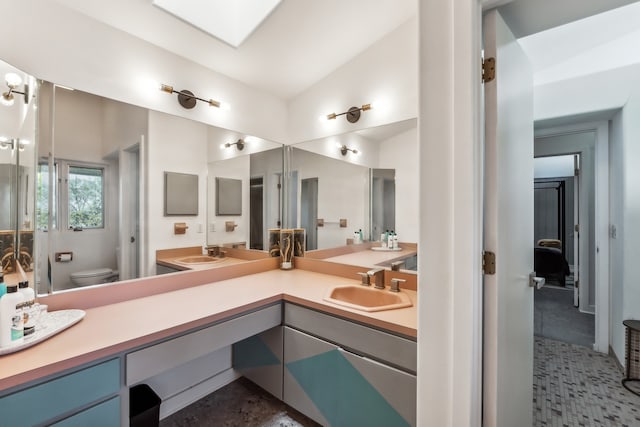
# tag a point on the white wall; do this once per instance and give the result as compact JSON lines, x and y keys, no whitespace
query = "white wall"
{"x":400,"y":153}
{"x":385,"y":73}
{"x":343,"y":190}
{"x":178,"y":145}
{"x":54,"y":43}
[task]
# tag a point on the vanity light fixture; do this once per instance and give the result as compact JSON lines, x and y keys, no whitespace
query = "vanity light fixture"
{"x":344,"y":150}
{"x":187,"y":99}
{"x":13,"y":81}
{"x":352,"y":114}
{"x":239,"y":144}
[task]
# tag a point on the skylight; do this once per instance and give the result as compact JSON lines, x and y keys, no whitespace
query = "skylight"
{"x":230,"y":21}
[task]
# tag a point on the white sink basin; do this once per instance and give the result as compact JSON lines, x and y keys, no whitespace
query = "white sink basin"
{"x":367,"y":298}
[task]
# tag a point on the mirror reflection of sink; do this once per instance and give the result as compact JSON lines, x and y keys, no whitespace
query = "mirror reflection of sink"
{"x":367,"y":298}
{"x":198,"y":259}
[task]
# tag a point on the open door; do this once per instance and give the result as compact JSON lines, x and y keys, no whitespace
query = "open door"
{"x":508,"y":231}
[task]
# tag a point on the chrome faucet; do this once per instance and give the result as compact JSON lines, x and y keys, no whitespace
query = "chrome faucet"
{"x":213,"y":250}
{"x":378,"y":277}
{"x":365,"y":279}
{"x":395,"y":284}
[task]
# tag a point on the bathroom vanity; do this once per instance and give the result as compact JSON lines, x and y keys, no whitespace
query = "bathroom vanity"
{"x":152,"y":338}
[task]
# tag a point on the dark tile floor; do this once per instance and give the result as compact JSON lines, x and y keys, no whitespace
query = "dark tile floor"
{"x":240,"y":403}
{"x":574,"y":386}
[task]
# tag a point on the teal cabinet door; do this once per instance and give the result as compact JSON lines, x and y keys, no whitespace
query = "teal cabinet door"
{"x":60,"y":396}
{"x":259,"y":358}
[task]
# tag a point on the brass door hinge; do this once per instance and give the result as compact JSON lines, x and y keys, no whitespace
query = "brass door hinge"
{"x":488,"y":262}
{"x":488,"y":69}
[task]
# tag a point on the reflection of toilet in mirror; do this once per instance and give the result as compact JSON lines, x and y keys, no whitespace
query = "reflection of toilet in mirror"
{"x":96,"y":276}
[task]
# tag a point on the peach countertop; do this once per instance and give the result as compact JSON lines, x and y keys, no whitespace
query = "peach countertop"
{"x":372,"y":258}
{"x":112,"y":329}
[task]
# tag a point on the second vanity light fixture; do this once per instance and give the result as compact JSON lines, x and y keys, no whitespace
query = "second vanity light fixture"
{"x":344,"y":150}
{"x":13,"y":81}
{"x":352,"y":114}
{"x":239,"y":144}
{"x":187,"y":99}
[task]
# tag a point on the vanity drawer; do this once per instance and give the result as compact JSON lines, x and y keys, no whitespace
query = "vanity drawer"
{"x":60,"y":396}
{"x":150,"y":361}
{"x":384,"y":346}
{"x":106,"y":414}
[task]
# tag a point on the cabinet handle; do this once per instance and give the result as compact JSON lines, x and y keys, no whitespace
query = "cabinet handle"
{"x":375,"y":362}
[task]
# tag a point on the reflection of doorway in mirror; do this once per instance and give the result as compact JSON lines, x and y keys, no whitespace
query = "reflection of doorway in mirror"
{"x":383,"y":201}
{"x":256,"y":213}
{"x":128,"y":251}
{"x":309,"y":211}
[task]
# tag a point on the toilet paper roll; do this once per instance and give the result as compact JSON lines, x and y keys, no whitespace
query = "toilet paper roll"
{"x":65,"y":257}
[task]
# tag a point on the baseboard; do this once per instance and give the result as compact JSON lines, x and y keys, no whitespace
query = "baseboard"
{"x":615,"y":357}
{"x":197,"y":392}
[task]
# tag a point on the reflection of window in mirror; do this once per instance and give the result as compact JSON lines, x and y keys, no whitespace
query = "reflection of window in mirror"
{"x":79,"y":195}
{"x":42,"y":196}
{"x":85,"y":197}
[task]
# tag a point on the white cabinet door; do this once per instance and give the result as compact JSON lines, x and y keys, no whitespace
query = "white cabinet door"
{"x":339,"y":388}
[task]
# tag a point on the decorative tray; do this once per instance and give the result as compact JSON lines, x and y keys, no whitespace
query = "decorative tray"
{"x":48,"y":325}
{"x":381,"y":249}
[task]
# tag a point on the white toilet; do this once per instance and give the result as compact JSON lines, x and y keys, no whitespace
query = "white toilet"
{"x":97,"y":275}
{"x":93,"y":277}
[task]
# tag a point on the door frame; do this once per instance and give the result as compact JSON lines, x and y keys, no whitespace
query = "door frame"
{"x":601,"y":238}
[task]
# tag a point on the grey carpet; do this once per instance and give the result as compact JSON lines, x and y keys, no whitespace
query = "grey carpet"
{"x":555,"y":317}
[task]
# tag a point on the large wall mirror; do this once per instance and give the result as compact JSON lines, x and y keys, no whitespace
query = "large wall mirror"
{"x":368,"y":177}
{"x":99,"y":177}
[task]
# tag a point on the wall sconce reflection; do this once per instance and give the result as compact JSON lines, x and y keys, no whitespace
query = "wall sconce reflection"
{"x":352,"y":114}
{"x":12,"y":81}
{"x":344,"y":150}
{"x":239,"y":144}
{"x":187,"y":99}
{"x":6,"y":143}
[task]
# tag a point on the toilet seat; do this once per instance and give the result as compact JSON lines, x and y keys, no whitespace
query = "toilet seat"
{"x":97,"y":272}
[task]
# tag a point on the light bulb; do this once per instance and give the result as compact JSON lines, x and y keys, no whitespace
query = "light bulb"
{"x":13,"y":80}
{"x":7,"y":99}
{"x":225,"y":106}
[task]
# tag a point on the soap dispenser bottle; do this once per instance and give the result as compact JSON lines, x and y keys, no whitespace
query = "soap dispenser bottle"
{"x":11,"y":320}
{"x":28,"y":316}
